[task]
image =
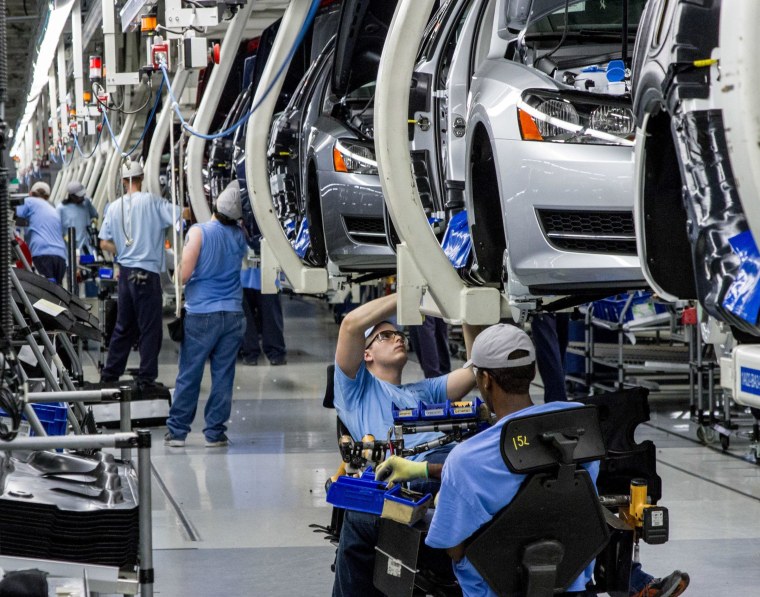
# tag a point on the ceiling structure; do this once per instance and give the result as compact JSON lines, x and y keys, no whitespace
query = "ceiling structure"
{"x":24,"y":24}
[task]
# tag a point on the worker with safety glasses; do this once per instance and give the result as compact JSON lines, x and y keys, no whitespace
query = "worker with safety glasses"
{"x":133,"y":230}
{"x":369,"y":359}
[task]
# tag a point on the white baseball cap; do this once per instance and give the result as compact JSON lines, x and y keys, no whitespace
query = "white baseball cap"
{"x":494,"y":345}
{"x":228,"y":202}
{"x":42,"y":187}
{"x":131,"y":169}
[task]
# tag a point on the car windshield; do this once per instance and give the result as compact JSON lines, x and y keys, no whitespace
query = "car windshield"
{"x":589,"y":15}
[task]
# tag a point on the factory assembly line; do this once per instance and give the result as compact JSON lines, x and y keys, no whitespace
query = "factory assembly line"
{"x":475,"y":282}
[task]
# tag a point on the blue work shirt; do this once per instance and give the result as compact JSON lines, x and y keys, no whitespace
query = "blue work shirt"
{"x":251,"y":278}
{"x":364,"y":404}
{"x":215,"y":283}
{"x":145,"y":217}
{"x":43,"y":234}
{"x":475,"y":486}
{"x":77,"y":216}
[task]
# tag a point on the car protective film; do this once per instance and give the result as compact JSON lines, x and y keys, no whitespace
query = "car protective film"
{"x":302,"y":241}
{"x":743,"y":297}
{"x":457,"y":242}
{"x":715,"y":213}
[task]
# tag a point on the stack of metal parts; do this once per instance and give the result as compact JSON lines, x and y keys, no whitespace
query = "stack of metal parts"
{"x":67,"y":507}
{"x":76,"y":319}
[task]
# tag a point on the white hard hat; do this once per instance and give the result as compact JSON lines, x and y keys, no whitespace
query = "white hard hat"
{"x":131,"y":169}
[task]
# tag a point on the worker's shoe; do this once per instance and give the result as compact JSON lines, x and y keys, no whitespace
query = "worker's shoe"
{"x":222,"y":442}
{"x":670,"y":586}
{"x":278,"y":361}
{"x":251,"y":362}
{"x":172,"y":441}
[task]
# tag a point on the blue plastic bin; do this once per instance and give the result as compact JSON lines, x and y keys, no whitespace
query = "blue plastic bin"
{"x":362,"y":494}
{"x":609,"y":309}
{"x":53,"y":417}
{"x":463,"y":409}
{"x":435,"y":411}
{"x":405,"y":414}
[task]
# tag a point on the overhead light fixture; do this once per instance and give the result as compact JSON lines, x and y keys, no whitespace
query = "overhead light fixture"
{"x":56,"y":22}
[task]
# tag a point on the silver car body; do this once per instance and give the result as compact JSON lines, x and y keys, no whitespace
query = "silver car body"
{"x":540,"y":182}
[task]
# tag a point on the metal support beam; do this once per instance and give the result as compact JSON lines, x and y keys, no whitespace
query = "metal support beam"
{"x":423,"y":259}
{"x":275,"y":246}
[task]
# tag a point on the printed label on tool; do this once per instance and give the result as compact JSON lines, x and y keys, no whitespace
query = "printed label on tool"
{"x":394,"y":567}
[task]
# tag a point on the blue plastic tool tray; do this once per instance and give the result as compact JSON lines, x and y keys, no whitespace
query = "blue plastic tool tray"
{"x":463,"y":409}
{"x":611,"y":308}
{"x":362,"y":494}
{"x":431,"y":412}
{"x":405,"y":414}
{"x":394,"y":495}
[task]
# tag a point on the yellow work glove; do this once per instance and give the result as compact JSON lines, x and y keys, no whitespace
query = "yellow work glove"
{"x":397,"y":469}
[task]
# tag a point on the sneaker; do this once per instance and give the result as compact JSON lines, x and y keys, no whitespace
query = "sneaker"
{"x":670,"y":586}
{"x":173,"y":442}
{"x":222,"y":442}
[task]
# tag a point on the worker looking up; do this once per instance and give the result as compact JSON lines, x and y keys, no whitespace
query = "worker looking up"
{"x":44,"y":233}
{"x":369,"y":359}
{"x":133,"y":230}
{"x":77,"y":211}
{"x":476,"y":484}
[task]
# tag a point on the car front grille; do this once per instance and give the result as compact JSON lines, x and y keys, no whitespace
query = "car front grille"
{"x":368,"y":231}
{"x":609,"y":232}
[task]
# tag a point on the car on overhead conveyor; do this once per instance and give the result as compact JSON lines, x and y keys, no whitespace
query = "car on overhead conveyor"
{"x":689,"y":215}
{"x":324,"y":176}
{"x":537,"y":91}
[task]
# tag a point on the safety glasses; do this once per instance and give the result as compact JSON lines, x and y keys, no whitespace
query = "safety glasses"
{"x":387,"y":335}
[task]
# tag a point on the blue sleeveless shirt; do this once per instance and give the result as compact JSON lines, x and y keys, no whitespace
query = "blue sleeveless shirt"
{"x":215,"y":283}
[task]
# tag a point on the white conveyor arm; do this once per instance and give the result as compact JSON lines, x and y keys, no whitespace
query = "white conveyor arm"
{"x":737,"y":89}
{"x":276,"y":250}
{"x":161,"y":134}
{"x":206,"y":110}
{"x":422,"y":265}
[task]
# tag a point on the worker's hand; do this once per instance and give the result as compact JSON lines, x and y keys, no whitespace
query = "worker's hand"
{"x":400,"y":469}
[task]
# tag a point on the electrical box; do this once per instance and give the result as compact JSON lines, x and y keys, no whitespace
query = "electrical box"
{"x":195,"y":52}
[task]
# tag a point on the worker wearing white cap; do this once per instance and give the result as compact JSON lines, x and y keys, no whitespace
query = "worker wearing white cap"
{"x":77,"y":211}
{"x":133,"y":230}
{"x":214,"y":321}
{"x":43,"y":233}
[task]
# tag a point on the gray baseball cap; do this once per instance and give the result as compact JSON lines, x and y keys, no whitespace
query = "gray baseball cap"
{"x":228,"y":202}
{"x":493,"y":346}
{"x":76,"y":188}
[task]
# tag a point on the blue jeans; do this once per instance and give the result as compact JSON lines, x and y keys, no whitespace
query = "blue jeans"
{"x":639,"y":579}
{"x":355,"y":559}
{"x":214,"y":336}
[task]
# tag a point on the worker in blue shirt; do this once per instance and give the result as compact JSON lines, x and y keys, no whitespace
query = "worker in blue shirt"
{"x":43,"y":233}
{"x":77,"y":211}
{"x":133,"y":230}
{"x":369,"y":359}
{"x":476,"y":484}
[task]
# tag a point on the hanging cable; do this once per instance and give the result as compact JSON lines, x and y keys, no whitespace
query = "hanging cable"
{"x":120,"y":109}
{"x":94,"y":149}
{"x":145,"y":129}
{"x":283,"y":68}
{"x":64,"y":163}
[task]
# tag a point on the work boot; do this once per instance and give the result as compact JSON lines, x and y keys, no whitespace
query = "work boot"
{"x":670,"y":586}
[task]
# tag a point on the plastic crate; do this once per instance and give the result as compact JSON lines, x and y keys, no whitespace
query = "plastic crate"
{"x":53,"y":417}
{"x":433,"y":412}
{"x":464,"y":409}
{"x":611,"y":308}
{"x":405,"y":414}
{"x":362,"y":494}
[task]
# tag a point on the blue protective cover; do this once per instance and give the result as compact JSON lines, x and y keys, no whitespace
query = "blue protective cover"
{"x":302,"y":241}
{"x":743,"y":296}
{"x":457,"y":242}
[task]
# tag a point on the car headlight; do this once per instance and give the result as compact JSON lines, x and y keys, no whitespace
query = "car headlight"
{"x":354,"y":158}
{"x":575,"y":117}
